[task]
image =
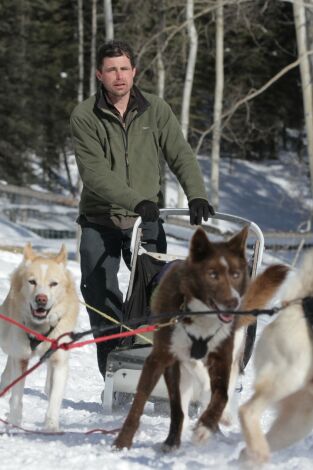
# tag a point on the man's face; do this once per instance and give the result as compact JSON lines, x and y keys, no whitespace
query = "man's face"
{"x":116,"y":75}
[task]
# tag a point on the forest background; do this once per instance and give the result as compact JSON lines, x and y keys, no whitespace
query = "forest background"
{"x":47,"y":65}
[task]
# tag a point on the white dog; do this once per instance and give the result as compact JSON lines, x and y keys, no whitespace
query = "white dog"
{"x":42,"y":296}
{"x":284,"y":373}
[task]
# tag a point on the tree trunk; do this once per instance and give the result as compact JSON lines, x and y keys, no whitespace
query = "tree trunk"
{"x":80,"y":90}
{"x":108,"y":20}
{"x":306,"y":78}
{"x":80,"y":96}
{"x":161,"y":86}
{"x":309,"y":19}
{"x":92,"y":81}
{"x":218,"y":106}
{"x":191,"y":64}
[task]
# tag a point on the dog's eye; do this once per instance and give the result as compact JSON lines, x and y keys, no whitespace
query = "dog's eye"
{"x":53,"y":284}
{"x":32,"y":282}
{"x":235,"y":274}
{"x":213,"y":274}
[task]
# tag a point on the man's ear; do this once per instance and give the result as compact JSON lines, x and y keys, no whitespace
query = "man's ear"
{"x":98,"y":75}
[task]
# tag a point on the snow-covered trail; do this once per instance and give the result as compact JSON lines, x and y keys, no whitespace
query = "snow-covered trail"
{"x":82,"y":411}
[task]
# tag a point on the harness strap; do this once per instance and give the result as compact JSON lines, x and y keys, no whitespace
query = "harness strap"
{"x":199,"y":347}
{"x":34,"y":342}
{"x":307,"y":305}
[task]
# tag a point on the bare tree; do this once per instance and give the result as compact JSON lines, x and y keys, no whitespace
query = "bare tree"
{"x":306,"y":76}
{"x":80,"y":90}
{"x":161,"y":83}
{"x":190,"y":71}
{"x":80,"y":94}
{"x":309,"y":19}
{"x":108,"y":20}
{"x":218,"y":104}
{"x":92,"y":80}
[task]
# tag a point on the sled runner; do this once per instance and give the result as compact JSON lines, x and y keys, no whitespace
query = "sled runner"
{"x":125,"y":362}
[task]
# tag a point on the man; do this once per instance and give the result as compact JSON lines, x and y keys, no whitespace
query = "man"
{"x":118,"y":136}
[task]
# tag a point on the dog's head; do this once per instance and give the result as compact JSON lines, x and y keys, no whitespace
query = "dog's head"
{"x":216,"y":273}
{"x":41,"y":282}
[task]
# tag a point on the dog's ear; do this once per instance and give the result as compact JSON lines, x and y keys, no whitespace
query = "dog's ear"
{"x":238,"y":242}
{"x":200,"y":246}
{"x":61,"y":257}
{"x":29,"y":255}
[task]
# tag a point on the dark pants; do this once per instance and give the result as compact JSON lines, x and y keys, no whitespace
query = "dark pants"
{"x":100,"y":254}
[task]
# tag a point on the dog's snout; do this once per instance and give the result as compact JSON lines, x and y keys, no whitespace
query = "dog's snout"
{"x":231,"y":303}
{"x":41,"y":299}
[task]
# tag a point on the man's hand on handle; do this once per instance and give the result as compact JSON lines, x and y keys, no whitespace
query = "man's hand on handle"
{"x":148,"y":211}
{"x":199,"y":209}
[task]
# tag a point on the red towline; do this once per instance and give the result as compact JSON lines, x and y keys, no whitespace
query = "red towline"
{"x":55,"y":345}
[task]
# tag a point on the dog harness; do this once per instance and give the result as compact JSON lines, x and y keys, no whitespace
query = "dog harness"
{"x":199,"y":347}
{"x":34,"y":342}
{"x":307,"y":305}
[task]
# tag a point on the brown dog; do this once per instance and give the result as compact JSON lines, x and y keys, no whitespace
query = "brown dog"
{"x":201,"y":353}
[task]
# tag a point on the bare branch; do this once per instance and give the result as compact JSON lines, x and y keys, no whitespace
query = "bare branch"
{"x":250,"y":96}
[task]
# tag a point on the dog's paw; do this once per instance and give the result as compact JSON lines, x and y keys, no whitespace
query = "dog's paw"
{"x":51,"y":426}
{"x":14,"y":418}
{"x":226,"y":419}
{"x":254,"y":456}
{"x":166,"y":448}
{"x":117,"y":448}
{"x":121,"y":443}
{"x":201,"y":434}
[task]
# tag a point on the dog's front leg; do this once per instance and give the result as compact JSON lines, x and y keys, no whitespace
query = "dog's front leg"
{"x":58,"y":376}
{"x":172,"y":379}
{"x":152,"y":370}
{"x":219,"y":365}
{"x":257,"y":450}
{"x":16,"y":367}
{"x":6,"y":376}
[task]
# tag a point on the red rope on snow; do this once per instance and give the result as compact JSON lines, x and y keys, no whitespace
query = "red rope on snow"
{"x":56,"y":433}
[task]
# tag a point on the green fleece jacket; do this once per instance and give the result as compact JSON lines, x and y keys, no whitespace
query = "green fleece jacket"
{"x":120,"y":166}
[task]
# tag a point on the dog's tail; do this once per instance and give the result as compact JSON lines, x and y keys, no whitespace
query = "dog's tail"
{"x":261,"y":291}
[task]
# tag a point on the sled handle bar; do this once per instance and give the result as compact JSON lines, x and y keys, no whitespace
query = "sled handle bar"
{"x":258,"y":247}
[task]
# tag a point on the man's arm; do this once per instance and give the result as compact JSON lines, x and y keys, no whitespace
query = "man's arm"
{"x":95,"y":170}
{"x":182,"y":161}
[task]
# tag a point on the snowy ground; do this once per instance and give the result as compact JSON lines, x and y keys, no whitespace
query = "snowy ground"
{"x":82,"y":411}
{"x":264,"y":196}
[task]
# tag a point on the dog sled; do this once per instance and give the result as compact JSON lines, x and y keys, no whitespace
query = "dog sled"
{"x":125,"y":363}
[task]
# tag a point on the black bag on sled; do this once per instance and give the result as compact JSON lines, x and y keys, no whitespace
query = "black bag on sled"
{"x":136,"y":309}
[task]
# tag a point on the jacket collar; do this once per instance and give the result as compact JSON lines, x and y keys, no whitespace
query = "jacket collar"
{"x":140,"y":101}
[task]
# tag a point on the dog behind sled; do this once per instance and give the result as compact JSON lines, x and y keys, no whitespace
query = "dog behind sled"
{"x":284,"y":372}
{"x":42,"y":297}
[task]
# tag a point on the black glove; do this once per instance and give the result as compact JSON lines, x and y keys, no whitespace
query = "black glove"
{"x":199,"y":209}
{"x":148,"y":211}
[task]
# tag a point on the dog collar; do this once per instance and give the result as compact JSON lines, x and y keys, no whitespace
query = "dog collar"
{"x":34,"y":342}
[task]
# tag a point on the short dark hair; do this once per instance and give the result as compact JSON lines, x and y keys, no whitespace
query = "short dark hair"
{"x":114,"y":49}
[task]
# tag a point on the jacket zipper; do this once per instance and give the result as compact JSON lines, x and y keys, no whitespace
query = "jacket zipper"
{"x":125,"y":140}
